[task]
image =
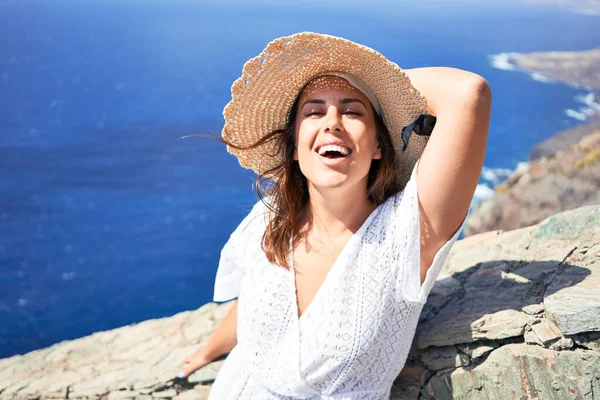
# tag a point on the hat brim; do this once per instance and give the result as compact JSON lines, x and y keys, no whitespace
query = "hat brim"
{"x":263,"y":96}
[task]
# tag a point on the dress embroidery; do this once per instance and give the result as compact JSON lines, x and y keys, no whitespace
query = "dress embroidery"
{"x":353,"y":339}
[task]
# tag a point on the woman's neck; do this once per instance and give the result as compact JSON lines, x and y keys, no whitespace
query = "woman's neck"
{"x":334,"y":212}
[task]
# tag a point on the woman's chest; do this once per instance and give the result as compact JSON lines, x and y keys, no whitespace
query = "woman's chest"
{"x":347,"y":323}
{"x":341,"y":297}
{"x":311,"y":264}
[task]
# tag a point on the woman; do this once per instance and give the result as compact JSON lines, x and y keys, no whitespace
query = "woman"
{"x":332,"y":267}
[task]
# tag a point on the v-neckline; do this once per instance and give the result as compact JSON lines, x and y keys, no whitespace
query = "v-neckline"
{"x":318,"y":294}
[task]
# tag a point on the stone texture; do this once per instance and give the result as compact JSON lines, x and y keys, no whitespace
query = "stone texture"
{"x":573,"y":300}
{"x":445,"y":357}
{"x":590,"y":341}
{"x":477,"y":349}
{"x":546,"y":331}
{"x":132,"y":362}
{"x":520,"y":371}
{"x":531,"y":338}
{"x":533,"y":309}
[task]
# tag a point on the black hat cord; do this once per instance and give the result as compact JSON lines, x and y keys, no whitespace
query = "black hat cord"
{"x":423,"y":126}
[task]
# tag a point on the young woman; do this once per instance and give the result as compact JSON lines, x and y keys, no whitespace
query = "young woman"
{"x":361,"y":200}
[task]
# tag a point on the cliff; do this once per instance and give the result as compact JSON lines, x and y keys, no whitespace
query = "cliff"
{"x":513,"y":315}
{"x":541,"y":188}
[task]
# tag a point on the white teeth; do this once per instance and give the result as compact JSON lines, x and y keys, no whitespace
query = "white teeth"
{"x":333,"y":147}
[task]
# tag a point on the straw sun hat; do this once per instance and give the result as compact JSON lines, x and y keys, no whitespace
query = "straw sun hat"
{"x":262,"y":97}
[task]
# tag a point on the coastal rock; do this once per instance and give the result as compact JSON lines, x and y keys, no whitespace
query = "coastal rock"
{"x":565,"y":140}
{"x":523,"y":372}
{"x":578,"y":68}
{"x":546,"y":332}
{"x":498,"y":327}
{"x":133,"y":362}
{"x":573,"y":302}
{"x":444,"y":357}
{"x":541,"y":188}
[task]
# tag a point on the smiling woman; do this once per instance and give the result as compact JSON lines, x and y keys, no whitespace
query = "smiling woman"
{"x":332,"y":266}
{"x":335,"y":135}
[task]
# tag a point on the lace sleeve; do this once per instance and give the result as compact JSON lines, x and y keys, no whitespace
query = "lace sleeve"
{"x":408,"y":232}
{"x":231,"y":269}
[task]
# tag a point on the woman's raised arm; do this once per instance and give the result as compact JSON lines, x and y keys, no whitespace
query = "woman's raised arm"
{"x":451,"y":164}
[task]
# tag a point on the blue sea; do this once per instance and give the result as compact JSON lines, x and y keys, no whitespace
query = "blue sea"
{"x":107,"y":218}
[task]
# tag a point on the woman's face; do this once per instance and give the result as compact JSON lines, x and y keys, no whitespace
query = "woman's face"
{"x":336,"y":138}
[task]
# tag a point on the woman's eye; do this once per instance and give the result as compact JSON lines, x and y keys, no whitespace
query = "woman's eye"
{"x":317,"y":113}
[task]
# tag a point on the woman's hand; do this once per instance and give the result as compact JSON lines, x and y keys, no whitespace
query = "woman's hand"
{"x":194,"y":362}
{"x":220,"y":342}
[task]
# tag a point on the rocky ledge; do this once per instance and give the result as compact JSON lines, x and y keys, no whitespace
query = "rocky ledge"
{"x":513,"y":315}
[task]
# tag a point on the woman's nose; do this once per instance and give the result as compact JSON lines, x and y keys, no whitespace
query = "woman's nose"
{"x":333,"y":120}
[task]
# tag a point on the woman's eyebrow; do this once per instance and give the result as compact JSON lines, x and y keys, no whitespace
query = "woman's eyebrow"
{"x":351,"y":100}
{"x":342,"y":101}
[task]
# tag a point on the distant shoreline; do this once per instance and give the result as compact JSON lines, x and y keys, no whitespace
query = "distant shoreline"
{"x":578,"y":69}
{"x":558,"y":175}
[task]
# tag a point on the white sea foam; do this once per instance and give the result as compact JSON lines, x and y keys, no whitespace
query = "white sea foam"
{"x":503,"y":61}
{"x":589,"y":100}
{"x":495,"y":175}
{"x":482,"y":192}
{"x":490,"y":177}
{"x":590,"y":107}
{"x":536,"y":76}
{"x":521,"y":166}
{"x":575,"y":114}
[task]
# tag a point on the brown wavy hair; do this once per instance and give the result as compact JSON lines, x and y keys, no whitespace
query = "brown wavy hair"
{"x":287,"y":188}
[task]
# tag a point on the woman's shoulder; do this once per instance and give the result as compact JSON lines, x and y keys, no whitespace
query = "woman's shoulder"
{"x":257,"y":218}
{"x":394,"y":200}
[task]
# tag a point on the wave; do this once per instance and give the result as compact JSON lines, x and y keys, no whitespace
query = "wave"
{"x":495,"y":175}
{"x":489,"y":178}
{"x":590,"y":107}
{"x":503,"y":61}
{"x":536,"y":76}
{"x":482,"y":192}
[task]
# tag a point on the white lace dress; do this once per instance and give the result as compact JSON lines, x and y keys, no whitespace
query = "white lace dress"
{"x":352,"y":340}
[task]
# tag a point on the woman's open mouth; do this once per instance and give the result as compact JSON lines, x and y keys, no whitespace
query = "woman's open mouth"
{"x":333,"y":151}
{"x":333,"y":154}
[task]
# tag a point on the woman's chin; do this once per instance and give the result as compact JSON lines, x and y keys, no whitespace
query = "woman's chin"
{"x":330,"y":180}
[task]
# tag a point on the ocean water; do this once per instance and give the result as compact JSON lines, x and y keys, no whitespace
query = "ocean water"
{"x":107,"y":218}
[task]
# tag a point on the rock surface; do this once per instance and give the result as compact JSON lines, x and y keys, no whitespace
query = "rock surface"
{"x":513,"y":315}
